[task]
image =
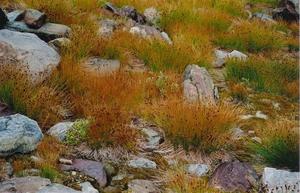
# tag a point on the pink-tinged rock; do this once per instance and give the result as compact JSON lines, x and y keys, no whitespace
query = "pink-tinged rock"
{"x":234,"y":176}
{"x":90,"y":168}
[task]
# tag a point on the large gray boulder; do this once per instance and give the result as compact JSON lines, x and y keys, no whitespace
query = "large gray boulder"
{"x":234,"y":177}
{"x":280,"y":181}
{"x":18,"y":134}
{"x":27,"y":50}
{"x":198,"y":85}
{"x":30,"y":184}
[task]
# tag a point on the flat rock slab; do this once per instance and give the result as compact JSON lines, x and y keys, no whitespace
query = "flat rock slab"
{"x":197,"y":169}
{"x":28,"y":51}
{"x":142,"y":186}
{"x":281,"y":181}
{"x":90,"y":168}
{"x":234,"y":176}
{"x":142,"y":163}
{"x":18,"y":134}
{"x":103,"y":66}
{"x":47,"y":32}
{"x":29,"y":184}
{"x":58,"y":188}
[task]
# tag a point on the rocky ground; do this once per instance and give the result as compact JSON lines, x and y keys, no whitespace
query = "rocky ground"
{"x":36,"y":157}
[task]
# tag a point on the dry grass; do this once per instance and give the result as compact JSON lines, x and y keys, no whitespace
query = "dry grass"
{"x":198,"y":127}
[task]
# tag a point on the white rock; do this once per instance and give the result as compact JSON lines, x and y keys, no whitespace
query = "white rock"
{"x":257,"y":139}
{"x":152,"y":15}
{"x":29,"y":51}
{"x":87,"y":187}
{"x":221,"y":57}
{"x":197,"y":169}
{"x":166,"y":37}
{"x":260,"y":115}
{"x":142,"y":163}
{"x":281,"y":181}
{"x":238,"y":55}
{"x":60,"y":130}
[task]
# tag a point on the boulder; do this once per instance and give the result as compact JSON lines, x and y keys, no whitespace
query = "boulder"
{"x":142,"y":163}
{"x":198,"y":85}
{"x":27,"y":50}
{"x":18,"y":134}
{"x":34,"y":18}
{"x":150,"y":32}
{"x":234,"y":176}
{"x":142,"y":186}
{"x":107,"y":27}
{"x":96,"y":64}
{"x":17,"y":15}
{"x":221,"y":57}
{"x":57,"y":188}
{"x":280,"y":181}
{"x":90,"y":168}
{"x":29,"y":184}
{"x":47,"y":32}
{"x":3,"y":19}
{"x":60,"y":130}
{"x":197,"y":169}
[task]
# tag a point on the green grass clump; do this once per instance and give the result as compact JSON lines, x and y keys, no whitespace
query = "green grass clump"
{"x":264,"y":75}
{"x":280,"y":145}
{"x":49,"y":172}
{"x":78,"y":133}
{"x":252,"y":36}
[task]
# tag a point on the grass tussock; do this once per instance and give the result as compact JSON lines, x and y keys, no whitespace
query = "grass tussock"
{"x":42,"y":102}
{"x":198,"y":127}
{"x":253,"y":36}
{"x":280,"y":144}
{"x":264,"y":75}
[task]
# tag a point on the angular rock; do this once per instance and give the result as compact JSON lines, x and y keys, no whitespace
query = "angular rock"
{"x":152,"y":15}
{"x":132,"y":13}
{"x":27,"y":50}
{"x":142,"y":186}
{"x":142,"y":163}
{"x":286,"y":12}
{"x":34,"y":18}
{"x":96,"y":64}
{"x":280,"y":181}
{"x":90,"y":168}
{"x":17,"y":15}
{"x":197,"y":169}
{"x":3,"y":19}
{"x":150,"y":32}
{"x":6,"y":170}
{"x":107,"y":27}
{"x":153,"y":137}
{"x":237,"y":55}
{"x":234,"y":176}
{"x":198,"y":85}
{"x":47,"y":32}
{"x":57,"y":188}
{"x":29,"y":184}
{"x":221,"y":57}
{"x":60,"y":130}
{"x":18,"y":134}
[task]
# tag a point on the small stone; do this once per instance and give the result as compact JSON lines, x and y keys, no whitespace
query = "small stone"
{"x":34,"y":18}
{"x":110,"y":170}
{"x":257,"y":139}
{"x":238,"y":133}
{"x":260,"y":115}
{"x":166,"y":37}
{"x":197,"y":169}
{"x":73,"y":173}
{"x":87,"y":187}
{"x":237,"y":55}
{"x":60,"y":130}
{"x":142,"y":163}
{"x":65,"y":161}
